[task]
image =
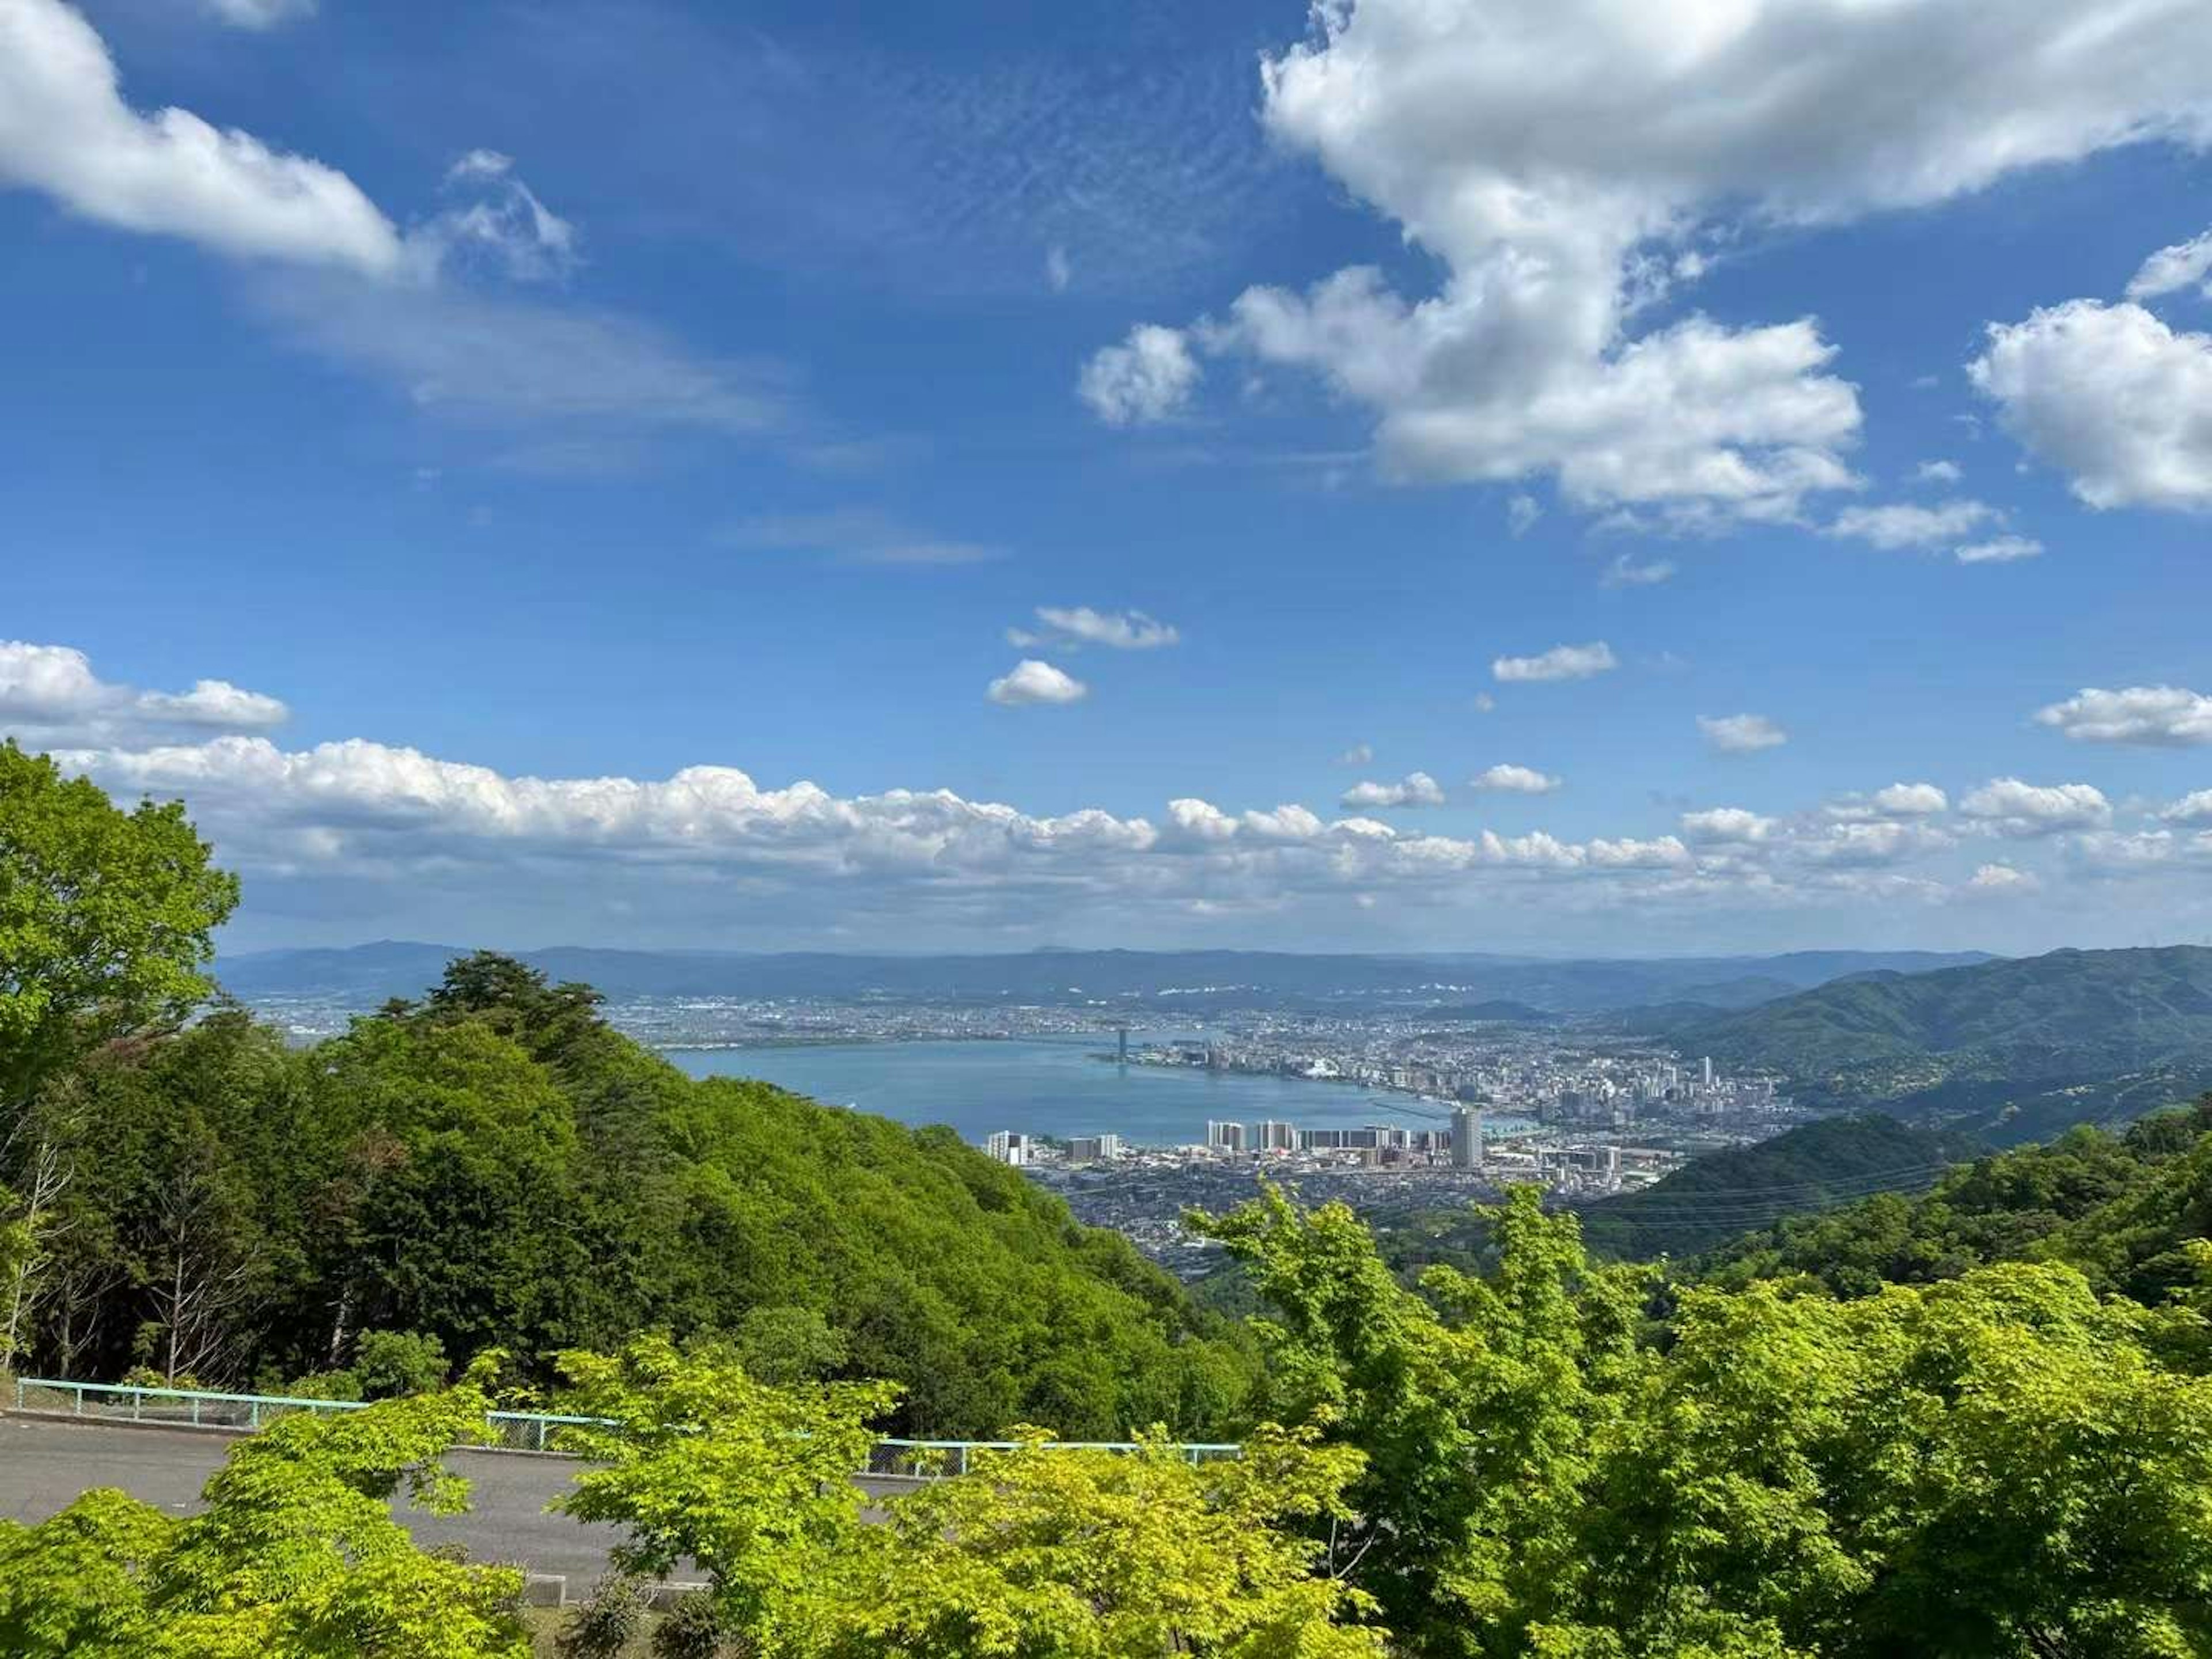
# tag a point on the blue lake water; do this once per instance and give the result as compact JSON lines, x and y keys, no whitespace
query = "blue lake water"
{"x":1053,"y":1086}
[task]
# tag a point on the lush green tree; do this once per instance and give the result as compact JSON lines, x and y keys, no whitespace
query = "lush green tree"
{"x":1081,"y":1555}
{"x":702,"y":1462}
{"x":1047,"y":1552}
{"x":296,"y":1556}
{"x":105,"y":918}
{"x":2001,"y":1464}
{"x":788,"y":1345}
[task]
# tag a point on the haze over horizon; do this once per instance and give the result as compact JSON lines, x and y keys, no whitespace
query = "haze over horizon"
{"x":1527,"y":478}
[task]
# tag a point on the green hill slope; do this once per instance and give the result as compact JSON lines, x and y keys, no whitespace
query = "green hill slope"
{"x":1809,"y":1169}
{"x":496,"y":1167}
{"x":2013,"y":1049}
{"x":2122,"y":1208}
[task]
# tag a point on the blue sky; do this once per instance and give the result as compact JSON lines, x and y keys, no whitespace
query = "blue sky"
{"x":510,"y":410}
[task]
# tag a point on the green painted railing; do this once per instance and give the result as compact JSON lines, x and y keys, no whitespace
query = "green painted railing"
{"x":515,"y":1430}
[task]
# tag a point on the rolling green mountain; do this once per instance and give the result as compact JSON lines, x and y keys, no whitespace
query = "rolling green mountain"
{"x":2130,"y":1210}
{"x":1810,"y":1169}
{"x":496,"y":1167}
{"x":2012,"y":1049}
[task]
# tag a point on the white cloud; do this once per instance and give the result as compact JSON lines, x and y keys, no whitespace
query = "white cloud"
{"x":1942,"y":472}
{"x":1515,"y":780}
{"x":1896,"y":801}
{"x":1741,"y":734}
{"x":1035,"y":681}
{"x":1561,"y":662}
{"x":1058,"y":272}
{"x":2002,"y":878}
{"x":1118,"y":631}
{"x":1625,"y":572}
{"x":2159,"y":715}
{"x":361,"y":833}
{"x":1521,"y":513}
{"x":1911,"y":800}
{"x":507,"y":226}
{"x":1571,"y":164}
{"x":855,"y":535}
{"x":1417,"y":789}
{"x":66,"y":131}
{"x":1358,"y":755}
{"x":1485,"y":704}
{"x":1905,"y":524}
{"x":49,"y":694}
{"x":337,"y":278}
{"x":1150,"y":376}
{"x":1999,"y":549}
{"x":2194,"y":808}
{"x":2013,"y":808}
{"x":1733,"y":824}
{"x":258,"y":13}
{"x":2109,"y":396}
{"x":2172,"y":269}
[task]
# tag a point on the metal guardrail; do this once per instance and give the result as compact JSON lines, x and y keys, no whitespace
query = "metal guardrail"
{"x":515,"y":1430}
{"x":201,"y":1408}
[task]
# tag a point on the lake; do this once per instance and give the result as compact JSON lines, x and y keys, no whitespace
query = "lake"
{"x":1052,"y":1086}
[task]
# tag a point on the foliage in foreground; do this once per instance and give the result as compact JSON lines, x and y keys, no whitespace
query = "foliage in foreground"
{"x":1076,"y":1554}
{"x":296,"y":1556}
{"x":2000,"y":1465}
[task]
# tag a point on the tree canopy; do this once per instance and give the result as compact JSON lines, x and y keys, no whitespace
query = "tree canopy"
{"x":105,"y":918}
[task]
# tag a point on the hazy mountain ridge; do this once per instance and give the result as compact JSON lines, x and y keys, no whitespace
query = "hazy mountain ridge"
{"x":2016,"y":1048}
{"x":1193,"y":979}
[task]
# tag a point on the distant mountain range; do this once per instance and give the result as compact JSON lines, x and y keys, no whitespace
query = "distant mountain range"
{"x":1188,"y":980}
{"x":2013,"y":1049}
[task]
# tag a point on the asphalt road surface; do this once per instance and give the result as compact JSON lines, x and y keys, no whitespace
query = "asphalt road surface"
{"x":44,"y":1464}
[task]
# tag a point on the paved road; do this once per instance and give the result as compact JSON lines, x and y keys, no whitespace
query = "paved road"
{"x":44,"y":1464}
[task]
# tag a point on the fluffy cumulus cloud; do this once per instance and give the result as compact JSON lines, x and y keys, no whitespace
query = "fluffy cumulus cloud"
{"x":1414,"y":789}
{"x":2001,"y":878}
{"x":1938,"y":472}
{"x":1077,"y":625}
{"x":1515,"y":781}
{"x":2110,"y":395}
{"x":2194,"y":808}
{"x":1561,"y":662}
{"x":1896,"y":801}
{"x":349,"y":834}
{"x":1570,"y":164}
{"x":1358,"y":755}
{"x":1031,"y":681}
{"x":66,"y":130}
{"x":1150,"y":376}
{"x":49,"y":694}
{"x":1728,"y":825}
{"x":2165,"y":716}
{"x":1741,"y":734}
{"x":2011,"y":807}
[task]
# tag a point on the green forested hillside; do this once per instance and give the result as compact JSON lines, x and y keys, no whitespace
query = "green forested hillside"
{"x":1836,"y":1161}
{"x":2016,"y":1050}
{"x":2120,"y":1208}
{"x":496,"y":1167}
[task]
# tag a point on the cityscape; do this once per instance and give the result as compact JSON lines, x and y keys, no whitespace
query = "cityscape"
{"x":1584,"y":1115}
